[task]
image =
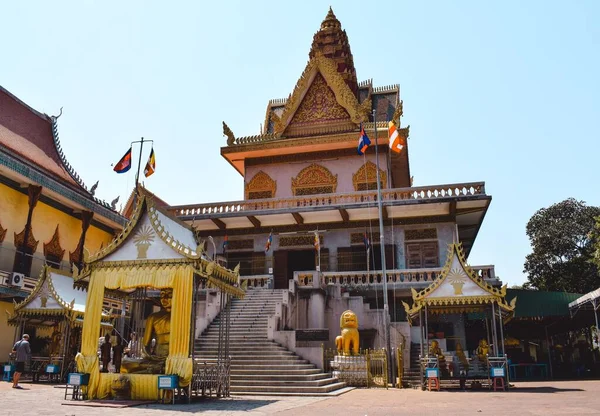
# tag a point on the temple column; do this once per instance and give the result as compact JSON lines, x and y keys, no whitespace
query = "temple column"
{"x":76,"y":256}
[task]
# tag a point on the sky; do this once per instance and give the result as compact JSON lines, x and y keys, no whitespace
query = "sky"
{"x":502,"y":92}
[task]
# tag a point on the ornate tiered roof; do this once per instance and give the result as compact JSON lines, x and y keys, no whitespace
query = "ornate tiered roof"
{"x":31,"y":139}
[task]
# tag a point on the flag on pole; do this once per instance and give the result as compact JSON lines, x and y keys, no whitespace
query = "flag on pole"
{"x":225,"y":243}
{"x":396,"y":143}
{"x":317,"y":242}
{"x":150,"y":165}
{"x":363,"y":141}
{"x":269,"y":242}
{"x":124,"y":164}
{"x":366,"y":241}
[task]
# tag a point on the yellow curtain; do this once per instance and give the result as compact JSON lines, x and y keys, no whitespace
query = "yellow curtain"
{"x":143,"y":386}
{"x":145,"y":276}
{"x":87,"y":360}
{"x":179,"y":361}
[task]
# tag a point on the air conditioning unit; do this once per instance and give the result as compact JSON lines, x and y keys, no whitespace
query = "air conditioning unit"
{"x":16,"y":279}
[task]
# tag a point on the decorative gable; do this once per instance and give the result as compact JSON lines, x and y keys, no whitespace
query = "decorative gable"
{"x":261,"y":186}
{"x":319,"y":106}
{"x":365,"y":178}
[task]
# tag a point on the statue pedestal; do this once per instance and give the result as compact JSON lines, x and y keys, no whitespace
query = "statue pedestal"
{"x":351,"y":369}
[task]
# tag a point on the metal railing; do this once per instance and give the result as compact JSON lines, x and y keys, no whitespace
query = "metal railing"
{"x":367,"y":369}
{"x":422,"y":193}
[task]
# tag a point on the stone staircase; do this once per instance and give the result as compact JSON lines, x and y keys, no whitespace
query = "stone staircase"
{"x":259,"y":365}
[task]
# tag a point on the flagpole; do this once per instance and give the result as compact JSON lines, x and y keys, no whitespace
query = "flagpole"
{"x":137,"y":175}
{"x":386,"y":313}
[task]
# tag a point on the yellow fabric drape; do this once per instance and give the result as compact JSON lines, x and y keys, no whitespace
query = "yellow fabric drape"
{"x":125,"y":278}
{"x":178,"y":277}
{"x":87,"y":360}
{"x":143,"y":386}
{"x":179,"y":361}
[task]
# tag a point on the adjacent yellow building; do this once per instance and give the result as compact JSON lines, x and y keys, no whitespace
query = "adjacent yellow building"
{"x":47,"y":214}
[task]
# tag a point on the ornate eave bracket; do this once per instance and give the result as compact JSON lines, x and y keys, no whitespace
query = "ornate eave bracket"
{"x":31,"y":242}
{"x":53,"y":247}
{"x":2,"y":233}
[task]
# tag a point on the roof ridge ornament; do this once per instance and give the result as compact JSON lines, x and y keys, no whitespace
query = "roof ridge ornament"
{"x":230,"y":136}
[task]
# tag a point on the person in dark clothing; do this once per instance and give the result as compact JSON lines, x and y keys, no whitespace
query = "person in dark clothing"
{"x":105,"y":353}
{"x":118,"y":354}
{"x":22,"y":350}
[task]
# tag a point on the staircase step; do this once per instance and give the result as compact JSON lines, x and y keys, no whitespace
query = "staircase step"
{"x":284,"y":383}
{"x":251,"y":378}
{"x":286,"y":389}
{"x":243,"y":372}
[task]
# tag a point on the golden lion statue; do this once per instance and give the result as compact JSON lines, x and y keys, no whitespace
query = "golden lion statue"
{"x":347,"y":343}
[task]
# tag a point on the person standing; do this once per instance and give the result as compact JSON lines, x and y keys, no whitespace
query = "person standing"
{"x":22,"y":350}
{"x":105,"y":350}
{"x":118,"y":354}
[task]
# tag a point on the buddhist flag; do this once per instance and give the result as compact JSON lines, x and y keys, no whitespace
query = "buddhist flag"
{"x":269,"y":242}
{"x":396,"y":143}
{"x":363,"y":141}
{"x":124,"y":164}
{"x":225,"y":244}
{"x":150,"y":165}
{"x":317,"y":243}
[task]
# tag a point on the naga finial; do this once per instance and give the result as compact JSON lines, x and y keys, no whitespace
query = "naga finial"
{"x":113,"y":203}
{"x":93,"y":188}
{"x":227,"y":132}
{"x":398,"y":112}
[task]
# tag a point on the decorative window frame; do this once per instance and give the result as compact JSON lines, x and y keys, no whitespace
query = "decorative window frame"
{"x":314,"y":179}
{"x":261,"y":184}
{"x":367,"y":174}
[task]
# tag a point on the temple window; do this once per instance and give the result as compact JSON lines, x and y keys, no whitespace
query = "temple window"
{"x":261,"y":186}
{"x":365,"y":178}
{"x":23,"y":260}
{"x":251,"y":263}
{"x":422,"y":255}
{"x":354,"y":258}
{"x":314,"y":179}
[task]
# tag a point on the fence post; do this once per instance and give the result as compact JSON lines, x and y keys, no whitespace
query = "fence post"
{"x":368,"y":368}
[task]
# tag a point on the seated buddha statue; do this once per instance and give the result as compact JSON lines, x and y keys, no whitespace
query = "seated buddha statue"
{"x":462,"y":359}
{"x":155,"y":344}
{"x":436,"y":351}
{"x":482,"y":351}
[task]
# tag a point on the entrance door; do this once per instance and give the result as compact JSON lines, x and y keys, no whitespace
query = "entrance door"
{"x":280,"y":267}
{"x":299,"y":261}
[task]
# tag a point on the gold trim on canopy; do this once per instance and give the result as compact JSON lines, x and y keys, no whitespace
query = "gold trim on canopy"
{"x":439,"y":298}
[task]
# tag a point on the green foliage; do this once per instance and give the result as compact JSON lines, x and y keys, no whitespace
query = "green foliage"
{"x":563,"y":248}
{"x":596,"y":242}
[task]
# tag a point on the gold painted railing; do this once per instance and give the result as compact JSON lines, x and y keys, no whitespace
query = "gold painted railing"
{"x":398,"y":276}
{"x":387,"y":195}
{"x":260,"y":281}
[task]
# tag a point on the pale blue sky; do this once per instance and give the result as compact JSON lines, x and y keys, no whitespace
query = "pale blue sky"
{"x":505,"y":92}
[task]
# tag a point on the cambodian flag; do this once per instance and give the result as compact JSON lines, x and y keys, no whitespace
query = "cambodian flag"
{"x":269,"y":242}
{"x":366,"y":241}
{"x":124,"y":164}
{"x":363,"y":141}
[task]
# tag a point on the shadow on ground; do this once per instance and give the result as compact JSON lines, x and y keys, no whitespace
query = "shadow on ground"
{"x":212,"y":404}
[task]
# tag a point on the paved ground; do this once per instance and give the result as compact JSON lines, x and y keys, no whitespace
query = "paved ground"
{"x":577,"y":398}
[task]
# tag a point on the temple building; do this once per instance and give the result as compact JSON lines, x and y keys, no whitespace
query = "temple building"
{"x":48,"y":216}
{"x":309,"y":214}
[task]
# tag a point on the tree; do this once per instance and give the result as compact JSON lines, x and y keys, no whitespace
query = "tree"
{"x":563,"y":248}
{"x":596,"y":242}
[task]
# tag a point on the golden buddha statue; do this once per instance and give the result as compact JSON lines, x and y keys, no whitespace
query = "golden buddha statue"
{"x":482,"y":351}
{"x":436,"y":351}
{"x":348,"y":342}
{"x":460,"y":354}
{"x":155,"y":345}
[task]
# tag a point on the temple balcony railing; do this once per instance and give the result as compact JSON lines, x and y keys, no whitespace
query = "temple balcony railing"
{"x":259,"y":281}
{"x":397,"y":195}
{"x":396,"y":278}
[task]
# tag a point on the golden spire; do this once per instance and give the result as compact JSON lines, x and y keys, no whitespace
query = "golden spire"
{"x":332,"y":42}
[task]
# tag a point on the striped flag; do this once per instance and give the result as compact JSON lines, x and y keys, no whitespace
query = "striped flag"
{"x":150,"y":165}
{"x":124,"y":164}
{"x":269,"y":242}
{"x":225,"y":243}
{"x":363,"y":141}
{"x":317,"y":243}
{"x":396,"y":143}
